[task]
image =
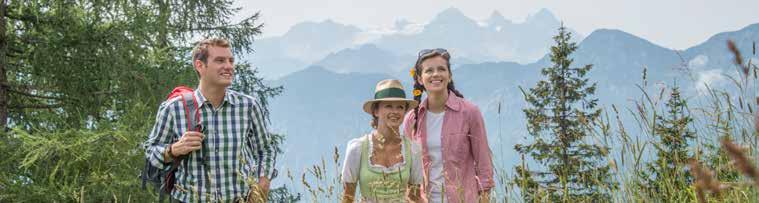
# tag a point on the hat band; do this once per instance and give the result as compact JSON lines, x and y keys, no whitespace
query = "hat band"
{"x":390,"y":93}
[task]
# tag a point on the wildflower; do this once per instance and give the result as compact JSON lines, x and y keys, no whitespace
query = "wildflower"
{"x":417,"y":92}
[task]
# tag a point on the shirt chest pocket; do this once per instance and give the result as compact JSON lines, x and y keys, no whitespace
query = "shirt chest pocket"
{"x":458,"y":138}
{"x":458,"y":144}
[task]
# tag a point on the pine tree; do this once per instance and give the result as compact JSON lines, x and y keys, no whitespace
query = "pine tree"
{"x":69,"y":64}
{"x":561,"y":115}
{"x":80,"y":82}
{"x":667,"y":175}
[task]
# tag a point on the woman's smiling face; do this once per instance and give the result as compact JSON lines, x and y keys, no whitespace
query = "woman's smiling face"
{"x":435,"y":74}
{"x":390,"y":113}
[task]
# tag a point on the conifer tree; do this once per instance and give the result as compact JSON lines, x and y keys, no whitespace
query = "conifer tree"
{"x":561,"y":114}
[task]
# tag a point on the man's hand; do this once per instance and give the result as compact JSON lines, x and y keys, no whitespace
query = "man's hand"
{"x":189,"y":142}
{"x":260,"y":191}
{"x":263,"y":183}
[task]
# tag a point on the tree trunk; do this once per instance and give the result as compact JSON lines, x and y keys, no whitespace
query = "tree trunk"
{"x":3,"y":61}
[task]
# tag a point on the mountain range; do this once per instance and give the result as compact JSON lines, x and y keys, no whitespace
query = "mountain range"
{"x":320,"y":108}
{"x":493,"y":39}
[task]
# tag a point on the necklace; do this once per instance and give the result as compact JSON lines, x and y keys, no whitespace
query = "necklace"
{"x":380,"y":139}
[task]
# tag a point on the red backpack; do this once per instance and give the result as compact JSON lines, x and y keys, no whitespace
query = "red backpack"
{"x":159,"y":178}
{"x":188,"y":96}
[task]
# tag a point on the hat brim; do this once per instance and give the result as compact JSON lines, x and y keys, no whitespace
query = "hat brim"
{"x":368,"y":104}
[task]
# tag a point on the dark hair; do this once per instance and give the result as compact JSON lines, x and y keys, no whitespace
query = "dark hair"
{"x":420,"y":87}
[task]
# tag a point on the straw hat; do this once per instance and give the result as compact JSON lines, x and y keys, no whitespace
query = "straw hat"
{"x":389,"y":90}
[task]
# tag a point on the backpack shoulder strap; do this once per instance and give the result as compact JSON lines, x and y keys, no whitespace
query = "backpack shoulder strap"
{"x":191,"y":110}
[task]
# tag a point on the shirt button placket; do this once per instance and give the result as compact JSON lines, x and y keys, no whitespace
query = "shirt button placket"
{"x":216,"y":149}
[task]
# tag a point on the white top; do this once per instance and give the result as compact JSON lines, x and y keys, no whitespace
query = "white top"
{"x":352,"y":162}
{"x":434,"y":125}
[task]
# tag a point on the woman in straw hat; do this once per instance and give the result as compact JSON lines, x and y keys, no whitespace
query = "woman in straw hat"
{"x":457,"y":160}
{"x":384,"y":165}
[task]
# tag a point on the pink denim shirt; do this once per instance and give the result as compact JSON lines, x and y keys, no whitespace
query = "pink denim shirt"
{"x":467,"y":159}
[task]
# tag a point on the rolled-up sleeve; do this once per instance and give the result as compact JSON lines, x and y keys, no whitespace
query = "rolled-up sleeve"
{"x":160,"y":137}
{"x":481,"y":150}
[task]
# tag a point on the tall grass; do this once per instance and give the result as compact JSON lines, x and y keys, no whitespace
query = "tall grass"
{"x":720,"y":157}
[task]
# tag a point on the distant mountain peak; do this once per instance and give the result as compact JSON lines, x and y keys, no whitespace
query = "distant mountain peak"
{"x":754,"y":26}
{"x":715,"y":47}
{"x":543,"y":16}
{"x":497,"y":19}
{"x":620,"y":42}
{"x":544,"y":12}
{"x":614,"y":33}
{"x":496,"y":15}
{"x":451,"y":15}
{"x":451,"y":11}
{"x":743,"y":33}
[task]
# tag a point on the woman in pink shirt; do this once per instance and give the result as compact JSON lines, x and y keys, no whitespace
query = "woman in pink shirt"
{"x":457,"y":160}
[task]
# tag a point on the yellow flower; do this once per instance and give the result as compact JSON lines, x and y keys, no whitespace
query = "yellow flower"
{"x":417,"y":92}
{"x":413,"y":72}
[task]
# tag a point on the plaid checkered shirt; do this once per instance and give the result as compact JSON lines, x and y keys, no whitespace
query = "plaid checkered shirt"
{"x":236,"y":147}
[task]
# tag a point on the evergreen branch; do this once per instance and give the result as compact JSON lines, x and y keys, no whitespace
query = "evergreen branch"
{"x":33,"y":95}
{"x":243,"y":23}
{"x":39,"y":106}
{"x":25,"y":18}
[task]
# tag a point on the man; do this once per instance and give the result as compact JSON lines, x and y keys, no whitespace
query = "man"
{"x":231,"y":149}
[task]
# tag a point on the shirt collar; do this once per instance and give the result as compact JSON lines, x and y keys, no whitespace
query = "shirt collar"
{"x":453,"y":102}
{"x":202,"y":99}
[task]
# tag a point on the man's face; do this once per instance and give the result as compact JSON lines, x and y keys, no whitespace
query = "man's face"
{"x":219,"y":67}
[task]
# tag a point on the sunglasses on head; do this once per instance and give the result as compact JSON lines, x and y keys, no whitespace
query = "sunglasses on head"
{"x":427,"y":52}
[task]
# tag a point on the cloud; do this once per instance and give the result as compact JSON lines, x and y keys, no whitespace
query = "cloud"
{"x":402,"y":27}
{"x":709,"y":79}
{"x":698,"y":63}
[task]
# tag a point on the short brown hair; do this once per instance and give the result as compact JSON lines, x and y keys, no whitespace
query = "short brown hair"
{"x":200,"y":52}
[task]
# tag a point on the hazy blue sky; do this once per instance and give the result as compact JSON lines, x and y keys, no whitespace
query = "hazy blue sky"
{"x":675,"y":24}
